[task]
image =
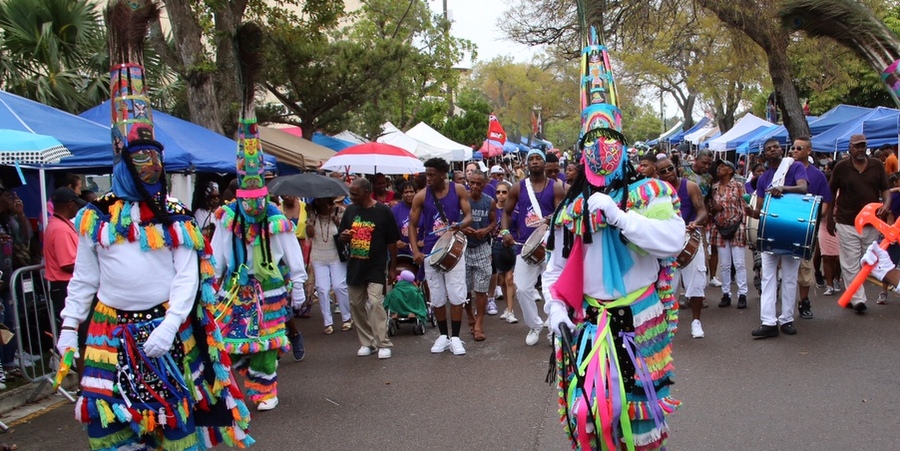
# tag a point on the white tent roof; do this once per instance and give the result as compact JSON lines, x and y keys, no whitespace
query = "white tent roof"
{"x":424,"y":133}
{"x":393,"y":136}
{"x":671,"y":131}
{"x":745,"y":125}
{"x":349,"y":136}
{"x":698,"y":136}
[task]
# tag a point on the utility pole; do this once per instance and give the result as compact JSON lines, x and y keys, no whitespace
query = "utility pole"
{"x":662,"y":112}
{"x":449,"y":85}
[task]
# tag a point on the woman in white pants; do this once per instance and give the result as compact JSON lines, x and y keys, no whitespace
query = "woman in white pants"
{"x":330,"y":271}
{"x":727,"y":233}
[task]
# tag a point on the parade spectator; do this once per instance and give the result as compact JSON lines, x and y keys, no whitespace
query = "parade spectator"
{"x":856,"y":182}
{"x":329,"y":270}
{"x":727,"y":232}
{"x":369,"y":228}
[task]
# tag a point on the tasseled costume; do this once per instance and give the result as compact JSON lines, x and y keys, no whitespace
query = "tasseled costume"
{"x":255,"y":307}
{"x":616,"y":391}
{"x":183,"y":401}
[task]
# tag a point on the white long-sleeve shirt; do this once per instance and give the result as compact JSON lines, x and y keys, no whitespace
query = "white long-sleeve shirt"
{"x":659,"y":238}
{"x":284,"y":247}
{"x":125,"y":277}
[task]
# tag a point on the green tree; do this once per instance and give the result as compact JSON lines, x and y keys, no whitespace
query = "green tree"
{"x":469,"y":128}
{"x":53,"y":51}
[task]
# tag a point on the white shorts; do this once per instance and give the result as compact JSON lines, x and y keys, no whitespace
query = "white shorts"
{"x":694,"y":276}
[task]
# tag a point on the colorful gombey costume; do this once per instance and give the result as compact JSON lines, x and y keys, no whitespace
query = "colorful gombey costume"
{"x":253,"y":305}
{"x":185,"y":400}
{"x":609,"y":292}
{"x":252,"y":241}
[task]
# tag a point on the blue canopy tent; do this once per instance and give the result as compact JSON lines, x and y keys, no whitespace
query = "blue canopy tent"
{"x":837,"y":138}
{"x":510,"y":147}
{"x":705,"y":144}
{"x":882,"y":131}
{"x":746,"y":147}
{"x":88,"y":142}
{"x":679,"y":137}
{"x":187,"y":146}
{"x":654,"y":142}
{"x":335,"y":144}
{"x":780,"y":133}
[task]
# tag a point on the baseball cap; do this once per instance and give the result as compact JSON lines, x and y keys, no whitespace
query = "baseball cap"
{"x":857,"y":138}
{"x":496,"y":169}
{"x":65,"y":194}
{"x":727,"y":163}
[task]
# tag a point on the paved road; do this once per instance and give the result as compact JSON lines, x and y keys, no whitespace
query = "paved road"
{"x":834,"y":386}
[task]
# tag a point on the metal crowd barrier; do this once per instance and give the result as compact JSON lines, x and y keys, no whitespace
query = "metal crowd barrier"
{"x":35,"y":328}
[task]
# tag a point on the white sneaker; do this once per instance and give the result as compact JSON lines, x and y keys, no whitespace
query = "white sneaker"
{"x":505,"y":314}
{"x":498,"y":292}
{"x":829,"y":291}
{"x":511,"y":318}
{"x":441,"y":344}
{"x":838,"y":285}
{"x":696,"y":329}
{"x":533,"y":336}
{"x":715,"y":282}
{"x":491,"y":307}
{"x":268,"y":404}
{"x":457,"y":347}
{"x":882,"y":298}
{"x":384,"y":353}
{"x":364,"y":351}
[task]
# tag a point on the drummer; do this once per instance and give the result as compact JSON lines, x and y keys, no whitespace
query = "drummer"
{"x":818,"y":186}
{"x":533,"y":198}
{"x":693,"y":212}
{"x":784,"y":175}
{"x":445,"y":207}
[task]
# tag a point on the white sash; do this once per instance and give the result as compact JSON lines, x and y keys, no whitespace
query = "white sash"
{"x":781,"y":172}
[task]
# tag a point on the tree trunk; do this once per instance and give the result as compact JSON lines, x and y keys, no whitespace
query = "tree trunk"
{"x":194,"y":67}
{"x":785,"y":91}
{"x":227,"y":85}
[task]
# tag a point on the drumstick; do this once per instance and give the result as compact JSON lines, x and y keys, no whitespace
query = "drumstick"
{"x":442,"y":229}
{"x":434,"y":251}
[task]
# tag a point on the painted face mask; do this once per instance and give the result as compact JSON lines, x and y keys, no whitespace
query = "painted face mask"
{"x":147,"y":164}
{"x":254,"y":206}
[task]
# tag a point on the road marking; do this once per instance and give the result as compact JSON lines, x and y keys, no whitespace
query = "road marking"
{"x":34,"y":415}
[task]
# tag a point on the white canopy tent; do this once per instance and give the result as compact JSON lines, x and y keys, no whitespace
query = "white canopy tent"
{"x":745,"y":125}
{"x":675,"y":129}
{"x":422,"y":132}
{"x":349,"y":136}
{"x":700,"y":135}
{"x":393,"y":136}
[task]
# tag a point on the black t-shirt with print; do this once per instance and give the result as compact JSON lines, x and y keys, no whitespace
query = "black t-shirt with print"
{"x":374,"y":229}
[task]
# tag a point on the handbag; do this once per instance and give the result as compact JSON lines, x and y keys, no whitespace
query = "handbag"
{"x":343,"y":249}
{"x":728,"y":230}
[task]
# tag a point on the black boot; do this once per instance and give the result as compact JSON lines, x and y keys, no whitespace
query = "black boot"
{"x":726,"y":300}
{"x":742,"y":301}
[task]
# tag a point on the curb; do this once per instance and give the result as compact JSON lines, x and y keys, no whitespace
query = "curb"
{"x":17,"y":397}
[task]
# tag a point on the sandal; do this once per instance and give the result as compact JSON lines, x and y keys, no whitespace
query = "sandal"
{"x":347,"y":325}
{"x":5,"y":447}
{"x":329,"y":330}
{"x":479,"y":335}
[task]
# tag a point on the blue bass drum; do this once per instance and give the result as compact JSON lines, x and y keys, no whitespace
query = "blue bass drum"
{"x":788,"y":225}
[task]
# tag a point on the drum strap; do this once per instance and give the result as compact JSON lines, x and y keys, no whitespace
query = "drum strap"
{"x":437,"y":203}
{"x":534,"y":202}
{"x":781,"y":172}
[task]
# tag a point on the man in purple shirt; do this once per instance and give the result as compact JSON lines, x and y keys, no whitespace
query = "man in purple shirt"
{"x":794,"y":181}
{"x":818,"y":186}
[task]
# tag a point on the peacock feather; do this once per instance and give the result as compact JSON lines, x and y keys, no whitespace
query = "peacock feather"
{"x":852,"y":25}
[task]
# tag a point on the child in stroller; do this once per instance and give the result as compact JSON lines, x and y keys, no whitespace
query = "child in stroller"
{"x":405,"y":303}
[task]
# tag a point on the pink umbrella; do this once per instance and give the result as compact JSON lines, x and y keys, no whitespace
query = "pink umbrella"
{"x":491,"y":148}
{"x":374,"y":157}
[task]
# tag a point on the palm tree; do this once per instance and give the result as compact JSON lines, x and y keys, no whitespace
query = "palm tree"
{"x":54,"y":52}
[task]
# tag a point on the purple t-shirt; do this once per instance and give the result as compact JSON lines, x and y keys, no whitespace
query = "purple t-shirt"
{"x":432,"y":217}
{"x":401,"y":217}
{"x":818,"y":184}
{"x":795,"y":172}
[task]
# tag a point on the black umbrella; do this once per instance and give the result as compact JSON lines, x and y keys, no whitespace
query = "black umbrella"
{"x":308,"y":185}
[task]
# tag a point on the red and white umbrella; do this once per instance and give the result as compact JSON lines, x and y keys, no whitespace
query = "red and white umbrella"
{"x":372,"y":158}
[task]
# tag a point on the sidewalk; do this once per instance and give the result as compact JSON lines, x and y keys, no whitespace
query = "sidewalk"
{"x":14,"y":405}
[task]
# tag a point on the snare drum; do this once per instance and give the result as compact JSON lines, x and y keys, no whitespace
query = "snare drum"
{"x":752,"y":225}
{"x":788,"y":225}
{"x":534,"y":250}
{"x":692,"y":242}
{"x":447,"y":251}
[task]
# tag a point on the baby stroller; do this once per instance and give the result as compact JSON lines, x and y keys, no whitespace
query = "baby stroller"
{"x":405,"y":303}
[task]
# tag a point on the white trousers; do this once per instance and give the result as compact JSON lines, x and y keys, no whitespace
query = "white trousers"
{"x":853,"y":246}
{"x":694,"y":275}
{"x":768,"y":299}
{"x":525,"y":276}
{"x":332,"y":276}
{"x":444,"y":285}
{"x":738,"y":255}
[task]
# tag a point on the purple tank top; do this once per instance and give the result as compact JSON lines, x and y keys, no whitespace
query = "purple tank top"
{"x":688,"y":213}
{"x":432,"y":217}
{"x":527,"y":215}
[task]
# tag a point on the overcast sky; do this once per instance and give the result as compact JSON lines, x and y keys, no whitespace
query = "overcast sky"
{"x":477,"y":21}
